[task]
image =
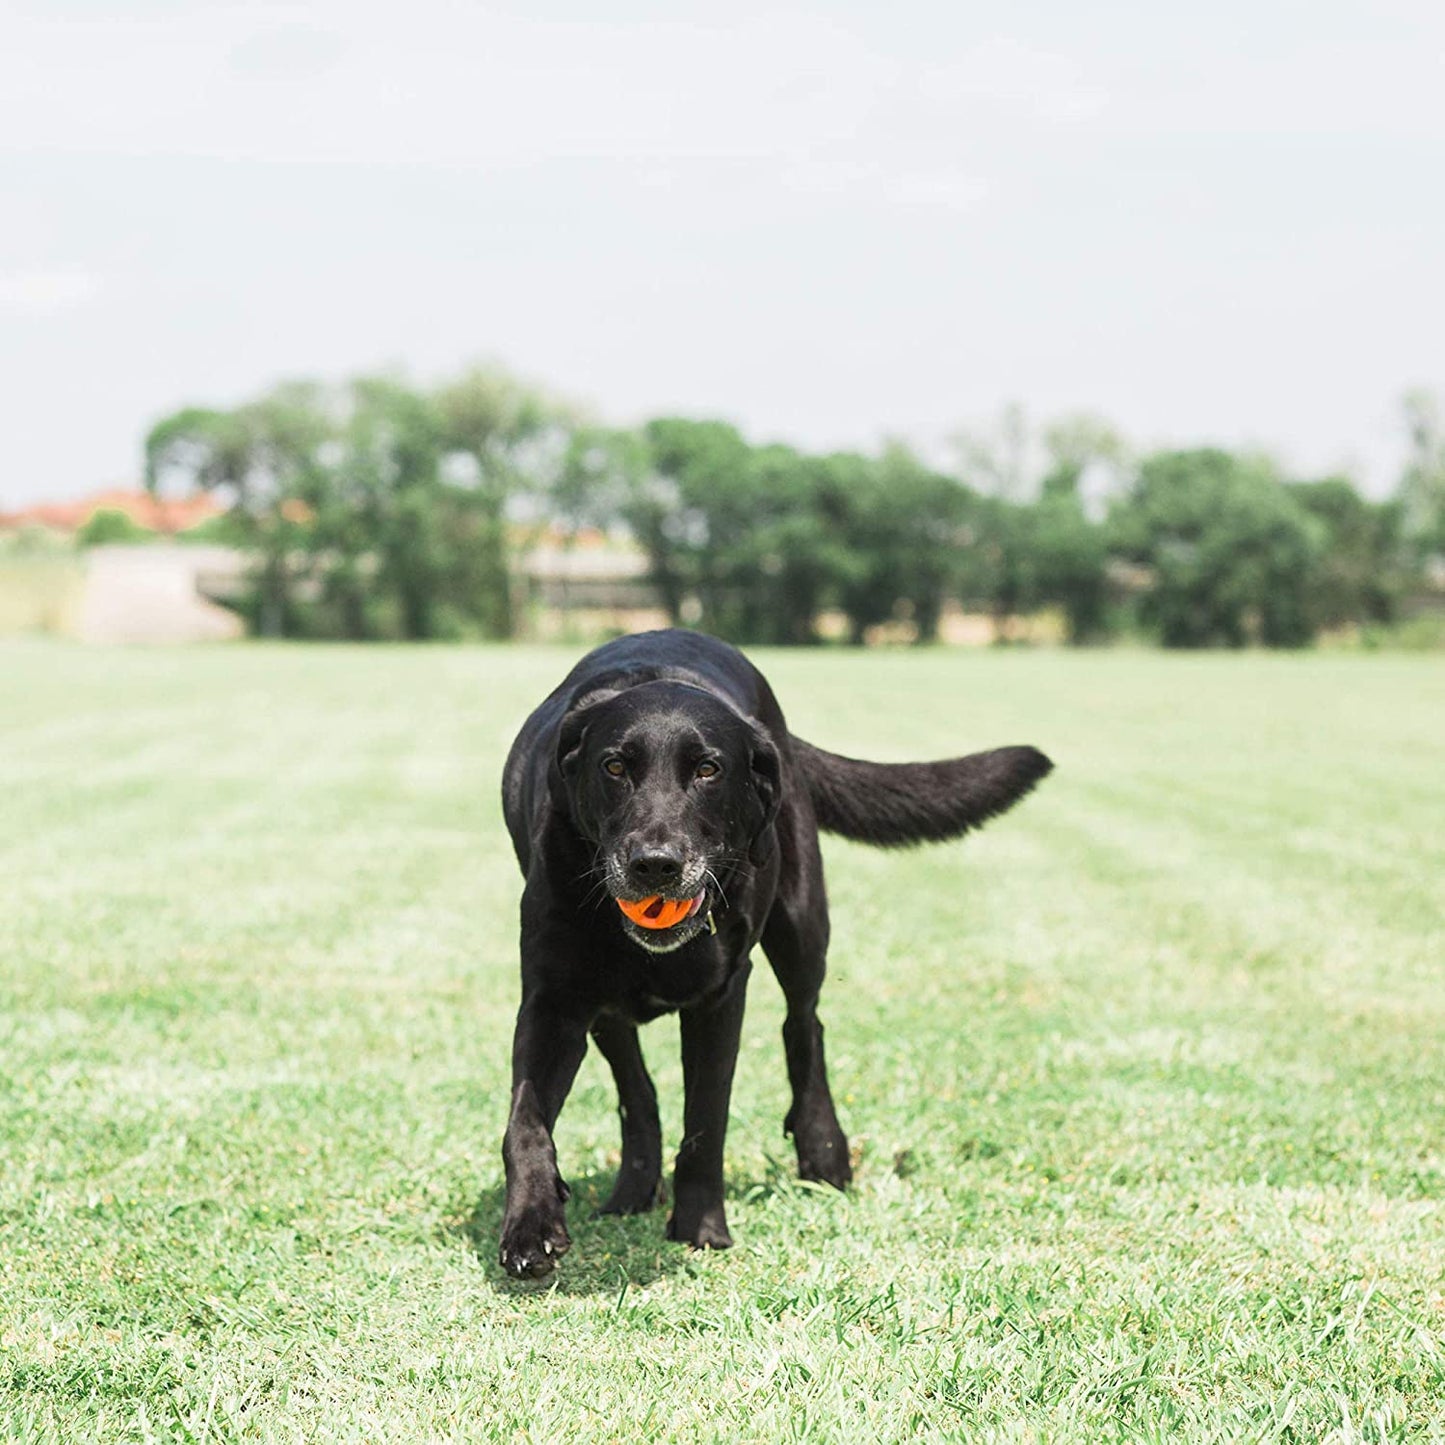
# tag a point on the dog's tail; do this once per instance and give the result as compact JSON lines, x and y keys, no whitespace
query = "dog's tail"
{"x":895,"y":804}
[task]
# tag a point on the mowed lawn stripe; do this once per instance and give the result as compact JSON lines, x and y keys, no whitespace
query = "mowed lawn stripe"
{"x":1144,"y":1079}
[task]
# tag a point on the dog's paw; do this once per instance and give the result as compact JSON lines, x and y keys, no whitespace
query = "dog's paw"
{"x":826,"y":1161}
{"x":822,"y":1151}
{"x":702,"y":1229}
{"x":632,"y":1194}
{"x":533,"y":1240}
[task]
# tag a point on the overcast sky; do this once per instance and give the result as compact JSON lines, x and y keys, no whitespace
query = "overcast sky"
{"x":827,"y":223}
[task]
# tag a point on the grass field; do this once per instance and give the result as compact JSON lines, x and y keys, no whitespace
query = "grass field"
{"x":39,"y":592}
{"x":1146,"y":1081}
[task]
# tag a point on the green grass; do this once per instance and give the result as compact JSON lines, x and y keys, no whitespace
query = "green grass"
{"x":1146,"y":1080}
{"x":40,"y":592}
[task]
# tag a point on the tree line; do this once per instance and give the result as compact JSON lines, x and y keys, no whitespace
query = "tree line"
{"x":381,"y":509}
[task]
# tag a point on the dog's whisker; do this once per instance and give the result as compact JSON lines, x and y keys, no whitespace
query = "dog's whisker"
{"x":736,"y":864}
{"x":716,"y":882}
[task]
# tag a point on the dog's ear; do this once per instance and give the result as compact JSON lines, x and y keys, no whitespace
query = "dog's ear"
{"x":567,"y":757}
{"x":570,"y":737}
{"x":572,"y":733}
{"x":766,"y":772}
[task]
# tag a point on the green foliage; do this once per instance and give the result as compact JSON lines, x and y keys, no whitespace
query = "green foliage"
{"x":1007,"y":575}
{"x":1233,"y":554}
{"x":685,"y":510}
{"x":225,"y":530}
{"x":909,"y":531}
{"x":600,"y":475}
{"x":1039,"y":544}
{"x":765,"y":538}
{"x":1364,"y":569}
{"x":374,"y":510}
{"x":783,"y":563}
{"x":1425,"y":633}
{"x":512,"y":440}
{"x":1071,"y":561}
{"x":110,"y":525}
{"x":1422,"y":487}
{"x":264,"y":458}
{"x":383,"y":510}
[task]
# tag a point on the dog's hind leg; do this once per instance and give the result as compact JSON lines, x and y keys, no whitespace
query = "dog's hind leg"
{"x":636,"y":1190}
{"x":796,"y":942}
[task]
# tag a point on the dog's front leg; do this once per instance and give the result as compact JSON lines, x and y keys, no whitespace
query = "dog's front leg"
{"x":546,"y":1050}
{"x":710,"y":1033}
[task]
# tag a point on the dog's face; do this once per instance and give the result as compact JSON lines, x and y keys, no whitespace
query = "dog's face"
{"x":677,"y":791}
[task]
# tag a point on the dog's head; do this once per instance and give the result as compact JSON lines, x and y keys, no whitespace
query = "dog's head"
{"x":678,"y":792}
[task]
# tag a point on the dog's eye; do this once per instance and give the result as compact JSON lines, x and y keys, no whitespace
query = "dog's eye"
{"x":707,"y":770}
{"x":614,"y":767}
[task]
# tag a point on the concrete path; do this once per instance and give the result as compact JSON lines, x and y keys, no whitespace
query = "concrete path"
{"x":148,"y":594}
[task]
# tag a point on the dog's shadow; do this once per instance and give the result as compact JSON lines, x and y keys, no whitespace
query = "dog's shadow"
{"x":609,"y":1252}
{"x":614,"y":1253}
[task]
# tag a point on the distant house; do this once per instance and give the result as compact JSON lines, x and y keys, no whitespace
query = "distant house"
{"x":116,"y":593}
{"x":156,"y":514}
{"x":583,"y":583}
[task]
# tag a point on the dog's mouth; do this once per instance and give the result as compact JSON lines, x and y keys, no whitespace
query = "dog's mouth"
{"x":669,"y":918}
{"x":657,"y":913}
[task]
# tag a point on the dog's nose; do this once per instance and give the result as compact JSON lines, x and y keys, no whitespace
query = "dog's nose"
{"x":654,"y":867}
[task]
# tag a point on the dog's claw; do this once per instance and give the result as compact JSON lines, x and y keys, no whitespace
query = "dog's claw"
{"x":702,"y":1229}
{"x":532,"y":1244}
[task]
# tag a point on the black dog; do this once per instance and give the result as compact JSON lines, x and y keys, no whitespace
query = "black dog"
{"x":666,"y":822}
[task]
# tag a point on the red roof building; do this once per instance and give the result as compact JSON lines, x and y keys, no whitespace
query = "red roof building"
{"x":156,"y":514}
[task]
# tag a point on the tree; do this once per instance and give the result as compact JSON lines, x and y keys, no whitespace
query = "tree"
{"x":901,"y":534}
{"x":109,"y":525}
{"x":998,"y":459}
{"x":1362,"y":571}
{"x":599,"y":475}
{"x":1006,"y":574}
{"x":262,"y":457}
{"x":685,"y":509}
{"x":783,"y":563}
{"x":1422,"y":486}
{"x":377,"y":508}
{"x":1077,"y":445}
{"x":1070,"y":561}
{"x":1040,"y":540}
{"x":1233,"y":554}
{"x":504,"y":442}
{"x":389,"y":504}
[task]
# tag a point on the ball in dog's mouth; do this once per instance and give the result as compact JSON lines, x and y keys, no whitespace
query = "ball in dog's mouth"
{"x":659,"y":912}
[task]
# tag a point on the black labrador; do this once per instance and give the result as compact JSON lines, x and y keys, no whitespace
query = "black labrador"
{"x":666,"y":822}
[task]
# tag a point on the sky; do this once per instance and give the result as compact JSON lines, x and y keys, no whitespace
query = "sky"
{"x":830,"y":224}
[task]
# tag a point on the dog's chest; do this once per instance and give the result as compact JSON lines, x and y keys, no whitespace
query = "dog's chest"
{"x":661,"y":984}
{"x":656,"y":997}
{"x":650,"y":1006}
